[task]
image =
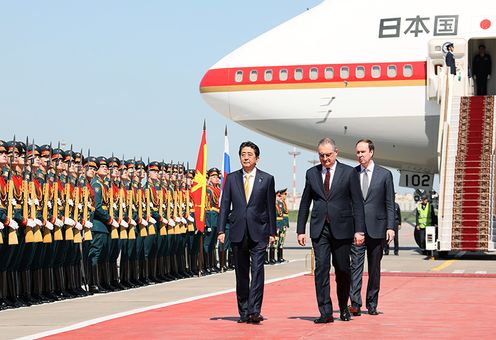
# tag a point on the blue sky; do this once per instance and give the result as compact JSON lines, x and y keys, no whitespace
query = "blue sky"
{"x":122,"y":76}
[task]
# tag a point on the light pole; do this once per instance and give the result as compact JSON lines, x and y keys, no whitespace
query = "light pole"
{"x":294,"y":153}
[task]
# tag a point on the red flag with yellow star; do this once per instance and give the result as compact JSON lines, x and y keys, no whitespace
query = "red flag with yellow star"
{"x":199,"y":188}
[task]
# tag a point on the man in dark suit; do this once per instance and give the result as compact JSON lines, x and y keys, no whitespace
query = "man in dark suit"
{"x":450,"y":58}
{"x":378,"y":197}
{"x":248,"y":205}
{"x":337,"y":219}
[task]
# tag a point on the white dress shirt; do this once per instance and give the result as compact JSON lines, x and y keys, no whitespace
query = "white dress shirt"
{"x":324,"y":171}
{"x":370,"y":172}
{"x":253,"y":173}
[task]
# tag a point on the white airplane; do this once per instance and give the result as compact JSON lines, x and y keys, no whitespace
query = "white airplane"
{"x":350,"y":70}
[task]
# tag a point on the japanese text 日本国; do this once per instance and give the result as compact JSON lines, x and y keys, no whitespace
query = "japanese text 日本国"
{"x":440,"y":25}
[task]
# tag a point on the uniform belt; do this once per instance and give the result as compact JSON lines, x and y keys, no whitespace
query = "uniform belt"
{"x":215,"y":209}
{"x":279,"y":218}
{"x":104,"y":208}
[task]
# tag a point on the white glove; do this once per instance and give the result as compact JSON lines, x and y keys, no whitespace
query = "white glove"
{"x":144,"y":223}
{"x":475,"y":77}
{"x":115,"y":224}
{"x":78,"y":226}
{"x":183,"y":220}
{"x":124,"y":224}
{"x":177,"y":219}
{"x":59,"y":223}
{"x":49,"y":204}
{"x":38,"y":222}
{"x":71,"y":202}
{"x":133,"y":223}
{"x":172,"y":223}
{"x":152,"y":220}
{"x":49,"y":225}
{"x":191,"y":219}
{"x":31,"y":223}
{"x":13,"y":224}
{"x":1,"y":226}
{"x":69,"y":221}
{"x":14,"y":202}
{"x":36,"y":202}
{"x":165,"y":221}
{"x":88,"y":225}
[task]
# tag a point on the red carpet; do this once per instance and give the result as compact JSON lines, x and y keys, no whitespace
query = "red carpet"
{"x":411,"y":305}
{"x":472,"y":183}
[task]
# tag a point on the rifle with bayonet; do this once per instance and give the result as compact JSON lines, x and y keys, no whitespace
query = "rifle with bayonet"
{"x":180,"y":193}
{"x":47,"y":234}
{"x":130,"y":195}
{"x":191,"y":227}
{"x":163,"y":228}
{"x":57,"y":231}
{"x":148,"y":199}
{"x":88,"y":236}
{"x":28,"y":231}
{"x":122,"y":203}
{"x":170,"y":204}
{"x":69,"y":234}
{"x":77,"y":199}
{"x":142,"y":227}
{"x":114,"y":234}
{"x":13,"y":240}
{"x":38,"y":237}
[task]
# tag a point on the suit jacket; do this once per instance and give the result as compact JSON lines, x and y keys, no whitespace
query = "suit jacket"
{"x":258,"y":215}
{"x":343,"y":207}
{"x":450,"y":61}
{"x":379,"y":203}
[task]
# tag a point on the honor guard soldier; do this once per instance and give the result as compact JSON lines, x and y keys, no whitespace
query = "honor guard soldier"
{"x":285,"y":224}
{"x":192,"y":235}
{"x":90,"y":167}
{"x":139,"y":196}
{"x":154,"y":220}
{"x":102,"y":223}
{"x":211,"y":219}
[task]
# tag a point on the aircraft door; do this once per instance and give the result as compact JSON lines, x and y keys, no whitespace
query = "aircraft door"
{"x":473,"y":50}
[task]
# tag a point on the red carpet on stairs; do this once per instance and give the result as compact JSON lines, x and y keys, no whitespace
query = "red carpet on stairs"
{"x":471,"y":218}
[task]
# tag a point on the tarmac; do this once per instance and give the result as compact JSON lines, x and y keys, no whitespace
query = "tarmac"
{"x":462,"y":272}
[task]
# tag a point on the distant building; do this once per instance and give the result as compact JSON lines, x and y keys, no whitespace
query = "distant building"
{"x":405,"y":201}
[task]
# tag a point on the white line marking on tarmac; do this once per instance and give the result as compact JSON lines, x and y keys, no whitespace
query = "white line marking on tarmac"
{"x":481,"y":272}
{"x":458,"y":271}
{"x":145,"y":309}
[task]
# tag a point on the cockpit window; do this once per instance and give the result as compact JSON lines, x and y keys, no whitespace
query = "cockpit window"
{"x":253,"y":75}
{"x":239,"y":77}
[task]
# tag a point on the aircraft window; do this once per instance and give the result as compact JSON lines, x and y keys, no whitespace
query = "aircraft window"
{"x":344,"y":73}
{"x":283,"y":75}
{"x":314,"y":73}
{"x":253,"y":75}
{"x":329,"y":73}
{"x":391,"y":71}
{"x":298,"y":74}
{"x":407,"y":70}
{"x":268,"y":75}
{"x":239,"y":77}
{"x":376,"y":71}
{"x":360,"y":72}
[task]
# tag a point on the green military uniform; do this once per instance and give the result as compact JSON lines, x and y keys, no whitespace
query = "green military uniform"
{"x":212,"y":209}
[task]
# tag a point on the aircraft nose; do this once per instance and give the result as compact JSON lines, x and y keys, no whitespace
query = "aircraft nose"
{"x":213,"y":88}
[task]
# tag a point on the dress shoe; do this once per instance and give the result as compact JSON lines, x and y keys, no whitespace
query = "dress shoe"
{"x":386,"y":252}
{"x":255,"y":318}
{"x":396,"y":253}
{"x":242,"y":319}
{"x":345,"y":315}
{"x":324,"y":319}
{"x":373,"y":311}
{"x":355,"y":310}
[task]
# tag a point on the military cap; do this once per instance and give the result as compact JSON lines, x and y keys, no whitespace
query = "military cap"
{"x":45,"y":150}
{"x":153,"y":166}
{"x":18,"y":147}
{"x":191,"y":173}
{"x":139,"y":164}
{"x":113,"y":162}
{"x":3,"y":148}
{"x":78,"y":157}
{"x":36,"y":150}
{"x":283,"y":191}
{"x":100,"y":161}
{"x":57,"y":154}
{"x":68,"y":156}
{"x":163,"y":166}
{"x":129,"y":164}
{"x":175,"y":168}
{"x":91,"y":162}
{"x":213,"y":172}
{"x":449,"y":44}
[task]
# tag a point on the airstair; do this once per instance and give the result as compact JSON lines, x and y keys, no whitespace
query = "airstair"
{"x":466,"y":159}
